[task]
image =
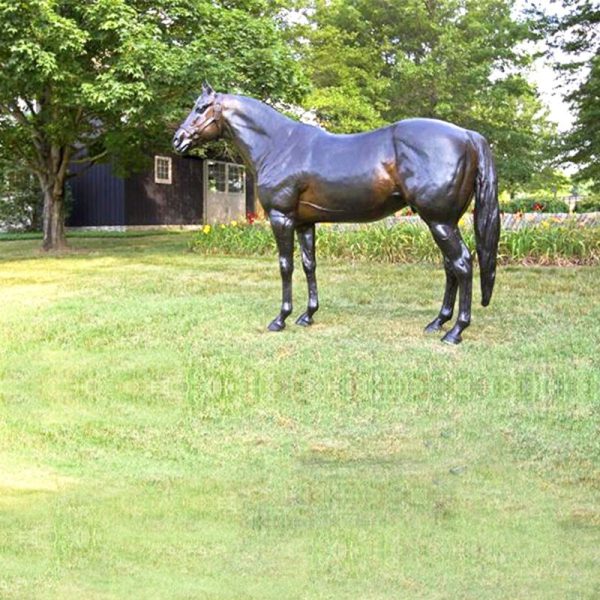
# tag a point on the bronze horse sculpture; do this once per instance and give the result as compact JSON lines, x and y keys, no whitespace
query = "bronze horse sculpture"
{"x":305,"y":175}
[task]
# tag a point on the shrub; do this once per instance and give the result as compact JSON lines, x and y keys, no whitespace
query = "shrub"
{"x":548,"y":205}
{"x":20,"y":200}
{"x":589,"y":204}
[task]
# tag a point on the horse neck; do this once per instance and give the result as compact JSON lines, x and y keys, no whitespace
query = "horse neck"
{"x":255,"y":128}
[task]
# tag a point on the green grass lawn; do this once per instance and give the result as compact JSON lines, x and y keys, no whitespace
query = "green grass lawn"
{"x":157,"y":442}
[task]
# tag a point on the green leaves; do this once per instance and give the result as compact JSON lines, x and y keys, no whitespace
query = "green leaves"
{"x":80,"y":69}
{"x":35,"y":43}
{"x":578,"y":35}
{"x":583,"y":142}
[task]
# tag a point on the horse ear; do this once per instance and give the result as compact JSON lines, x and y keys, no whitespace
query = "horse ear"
{"x":207,"y":88}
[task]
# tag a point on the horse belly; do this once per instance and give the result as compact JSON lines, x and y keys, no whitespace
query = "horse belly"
{"x":370,"y":197}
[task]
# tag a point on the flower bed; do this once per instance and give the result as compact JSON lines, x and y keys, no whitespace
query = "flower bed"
{"x":565,"y":241}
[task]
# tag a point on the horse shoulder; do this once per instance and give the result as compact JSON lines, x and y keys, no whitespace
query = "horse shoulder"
{"x":281,"y":178}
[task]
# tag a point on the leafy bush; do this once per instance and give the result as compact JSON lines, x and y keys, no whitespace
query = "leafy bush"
{"x":545,"y":243}
{"x":20,"y":200}
{"x":589,"y":204}
{"x":547,"y":205}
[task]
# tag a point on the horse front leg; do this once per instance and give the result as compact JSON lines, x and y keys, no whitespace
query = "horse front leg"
{"x":283,"y":229}
{"x":306,"y":239}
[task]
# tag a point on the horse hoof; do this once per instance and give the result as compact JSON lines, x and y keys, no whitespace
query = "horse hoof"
{"x":433,"y":327}
{"x":452,"y":339}
{"x":276,"y":325}
{"x":304,"y":320}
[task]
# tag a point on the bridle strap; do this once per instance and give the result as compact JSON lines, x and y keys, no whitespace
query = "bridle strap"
{"x":217,"y":117}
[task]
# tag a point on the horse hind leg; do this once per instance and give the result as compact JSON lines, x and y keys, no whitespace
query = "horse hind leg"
{"x":447,"y":309}
{"x":306,"y":239}
{"x":455,"y":251}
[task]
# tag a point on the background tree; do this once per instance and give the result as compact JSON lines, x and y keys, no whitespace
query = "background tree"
{"x":577,"y":34}
{"x":376,"y":61}
{"x":583,"y":141}
{"x":20,"y":199}
{"x":98,"y":80}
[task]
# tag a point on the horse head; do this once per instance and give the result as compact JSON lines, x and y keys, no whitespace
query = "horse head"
{"x":203,"y":124}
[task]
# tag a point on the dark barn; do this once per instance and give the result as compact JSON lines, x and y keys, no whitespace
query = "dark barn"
{"x":175,"y":191}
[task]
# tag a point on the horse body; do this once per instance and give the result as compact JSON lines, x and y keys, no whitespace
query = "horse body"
{"x":426,"y":164}
{"x":423,"y":163}
{"x":305,"y":175}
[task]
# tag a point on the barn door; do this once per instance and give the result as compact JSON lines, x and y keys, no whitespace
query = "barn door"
{"x":225,"y":192}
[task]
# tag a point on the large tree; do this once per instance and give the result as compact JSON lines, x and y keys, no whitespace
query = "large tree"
{"x":577,"y":34}
{"x":83,"y":80}
{"x":376,"y":61}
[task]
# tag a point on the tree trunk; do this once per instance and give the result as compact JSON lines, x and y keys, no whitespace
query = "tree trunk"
{"x":54,"y":220}
{"x":53,"y":186}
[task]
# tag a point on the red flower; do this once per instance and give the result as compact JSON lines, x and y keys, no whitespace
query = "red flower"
{"x":538,"y":206}
{"x":251,"y":217}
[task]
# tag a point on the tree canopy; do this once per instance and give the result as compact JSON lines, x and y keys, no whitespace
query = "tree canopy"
{"x":577,"y":34}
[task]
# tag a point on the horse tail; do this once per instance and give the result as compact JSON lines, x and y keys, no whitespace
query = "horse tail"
{"x":487,"y":217}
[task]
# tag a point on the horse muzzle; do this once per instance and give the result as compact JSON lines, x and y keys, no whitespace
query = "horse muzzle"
{"x":182,"y":141}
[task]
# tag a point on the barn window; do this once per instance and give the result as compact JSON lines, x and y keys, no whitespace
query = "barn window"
{"x":226,"y":177}
{"x":217,"y":176}
{"x":235,"y":179}
{"x":163,"y":170}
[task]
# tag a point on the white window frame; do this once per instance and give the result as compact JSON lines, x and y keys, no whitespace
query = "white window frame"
{"x":169,"y":161}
